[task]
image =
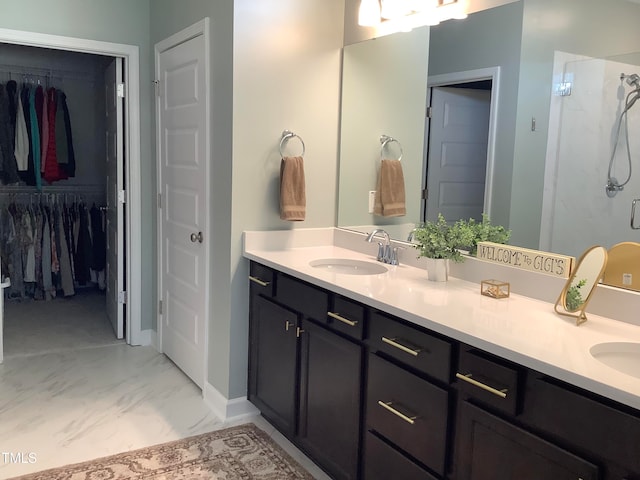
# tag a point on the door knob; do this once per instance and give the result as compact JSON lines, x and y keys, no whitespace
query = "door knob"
{"x":196,"y":237}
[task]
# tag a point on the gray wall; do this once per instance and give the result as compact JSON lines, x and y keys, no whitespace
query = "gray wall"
{"x":118,"y":21}
{"x":589,"y":27}
{"x":487,"y":39}
{"x":286,"y":75}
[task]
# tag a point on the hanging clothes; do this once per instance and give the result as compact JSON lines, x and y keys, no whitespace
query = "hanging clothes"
{"x":64,"y":140}
{"x":50,"y":167}
{"x":35,"y":135}
{"x":21,"y":139}
{"x":8,"y":165}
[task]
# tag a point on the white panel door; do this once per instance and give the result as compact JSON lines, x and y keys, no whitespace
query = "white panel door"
{"x":457,"y":159}
{"x":183,"y":155}
{"x":114,"y":269}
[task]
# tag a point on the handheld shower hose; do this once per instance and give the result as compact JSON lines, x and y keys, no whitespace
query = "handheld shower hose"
{"x":613,"y":186}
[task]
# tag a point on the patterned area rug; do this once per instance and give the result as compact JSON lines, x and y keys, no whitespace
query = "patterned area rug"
{"x":237,"y":453}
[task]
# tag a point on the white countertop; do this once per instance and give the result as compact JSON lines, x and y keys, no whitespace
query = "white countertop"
{"x":518,"y":328}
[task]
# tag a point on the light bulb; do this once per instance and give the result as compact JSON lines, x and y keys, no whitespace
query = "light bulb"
{"x":369,"y":13}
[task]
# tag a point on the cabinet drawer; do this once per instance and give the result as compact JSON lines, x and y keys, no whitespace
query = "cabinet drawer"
{"x":302,"y":297}
{"x":489,"y":380}
{"x":347,"y":316}
{"x":423,"y":351}
{"x":610,"y":433}
{"x":408,"y":411}
{"x":383,"y":462}
{"x":262,"y":279}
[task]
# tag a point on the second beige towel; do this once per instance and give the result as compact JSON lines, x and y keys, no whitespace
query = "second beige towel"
{"x":390,"y":197}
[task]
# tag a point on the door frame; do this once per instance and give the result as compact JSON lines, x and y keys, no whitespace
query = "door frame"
{"x":201,"y":27}
{"x":447,"y":79}
{"x":132,"y":207}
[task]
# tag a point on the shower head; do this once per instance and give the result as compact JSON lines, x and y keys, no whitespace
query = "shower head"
{"x":633,"y":80}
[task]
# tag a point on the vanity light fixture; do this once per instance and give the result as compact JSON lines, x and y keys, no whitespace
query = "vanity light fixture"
{"x":403,"y":15}
{"x":369,"y":13}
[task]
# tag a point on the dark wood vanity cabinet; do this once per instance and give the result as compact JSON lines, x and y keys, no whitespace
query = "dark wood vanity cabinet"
{"x":370,"y":396}
{"x":491,"y":448}
{"x":273,"y":368}
{"x":305,"y":376}
{"x":330,"y":400}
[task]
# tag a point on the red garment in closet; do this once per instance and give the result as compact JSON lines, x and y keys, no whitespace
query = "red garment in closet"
{"x":52,"y":171}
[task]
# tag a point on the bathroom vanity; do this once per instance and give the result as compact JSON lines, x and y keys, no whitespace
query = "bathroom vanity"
{"x":381,"y":376}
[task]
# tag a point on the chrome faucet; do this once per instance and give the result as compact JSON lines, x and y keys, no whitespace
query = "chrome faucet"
{"x":412,"y":234}
{"x":384,"y":250}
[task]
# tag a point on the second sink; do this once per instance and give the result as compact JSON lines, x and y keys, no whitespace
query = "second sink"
{"x":622,"y":356}
{"x":349,"y":266}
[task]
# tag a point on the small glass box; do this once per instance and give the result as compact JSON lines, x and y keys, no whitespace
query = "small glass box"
{"x":495,"y":288}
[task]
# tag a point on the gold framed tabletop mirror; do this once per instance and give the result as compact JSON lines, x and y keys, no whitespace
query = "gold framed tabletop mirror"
{"x":578,"y":289}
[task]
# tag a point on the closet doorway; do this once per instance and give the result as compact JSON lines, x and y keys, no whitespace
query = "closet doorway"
{"x":116,"y":186}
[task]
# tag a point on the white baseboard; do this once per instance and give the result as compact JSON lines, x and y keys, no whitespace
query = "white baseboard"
{"x":149,"y":337}
{"x":227,"y":409}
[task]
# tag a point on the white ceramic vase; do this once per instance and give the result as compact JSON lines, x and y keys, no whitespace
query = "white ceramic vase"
{"x":438,"y":269}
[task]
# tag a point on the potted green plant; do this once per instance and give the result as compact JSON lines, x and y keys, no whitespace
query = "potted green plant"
{"x":439,"y":242}
{"x":472,"y":231}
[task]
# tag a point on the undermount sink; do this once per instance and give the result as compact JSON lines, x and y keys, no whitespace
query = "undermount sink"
{"x":622,"y":356}
{"x":348,"y":266}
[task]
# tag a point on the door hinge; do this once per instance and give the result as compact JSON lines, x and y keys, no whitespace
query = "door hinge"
{"x":429,"y":112}
{"x":156,"y":84}
{"x":122,"y":297}
{"x":425,"y":194}
{"x":159,"y":200}
{"x":122,"y":196}
{"x":160,"y":307}
{"x":120,"y":90}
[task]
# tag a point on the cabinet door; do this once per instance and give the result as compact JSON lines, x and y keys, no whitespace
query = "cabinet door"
{"x":330,"y":393}
{"x":490,"y":448}
{"x":272,"y":362}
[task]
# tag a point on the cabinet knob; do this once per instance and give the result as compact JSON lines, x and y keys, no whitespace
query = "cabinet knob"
{"x":197,"y":237}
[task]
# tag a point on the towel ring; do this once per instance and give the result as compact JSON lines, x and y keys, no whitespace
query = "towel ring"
{"x":386,"y":139}
{"x":286,"y":135}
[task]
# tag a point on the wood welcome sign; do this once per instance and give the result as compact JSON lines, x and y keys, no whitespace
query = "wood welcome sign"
{"x":526,"y":259}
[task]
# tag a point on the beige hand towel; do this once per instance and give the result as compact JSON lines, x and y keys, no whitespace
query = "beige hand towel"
{"x":390,"y":198}
{"x":293,"y":199}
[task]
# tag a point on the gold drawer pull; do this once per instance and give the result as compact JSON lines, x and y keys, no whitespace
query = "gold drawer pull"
{"x":467,"y":378}
{"x":388,"y":406}
{"x":340,"y":318}
{"x":262,"y":283}
{"x":394,"y":343}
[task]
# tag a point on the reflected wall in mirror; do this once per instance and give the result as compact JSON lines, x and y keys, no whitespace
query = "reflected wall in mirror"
{"x":383,"y":93}
{"x":581,"y":284}
{"x":551,"y":150}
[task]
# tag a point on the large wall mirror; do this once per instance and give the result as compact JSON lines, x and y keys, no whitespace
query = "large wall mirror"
{"x":558,"y":96}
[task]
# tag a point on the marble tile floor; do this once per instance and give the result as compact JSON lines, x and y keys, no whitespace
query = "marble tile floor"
{"x":79,"y":404}
{"x":70,"y":391}
{"x":34,"y":327}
